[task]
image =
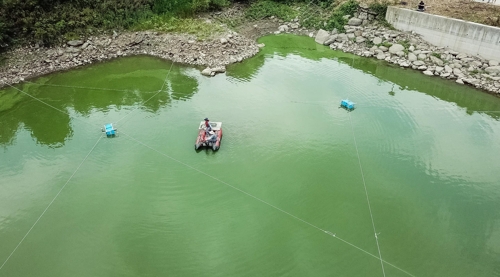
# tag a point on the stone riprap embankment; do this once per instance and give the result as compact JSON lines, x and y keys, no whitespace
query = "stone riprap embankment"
{"x":225,"y":49}
{"x":408,"y":50}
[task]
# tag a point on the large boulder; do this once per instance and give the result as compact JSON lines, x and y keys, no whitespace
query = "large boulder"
{"x":396,"y":48}
{"x":75,"y":43}
{"x":412,"y":57}
{"x":377,"y":40}
{"x":331,"y":39}
{"x":283,"y":28}
{"x":342,"y":37}
{"x":436,"y":60}
{"x":321,"y":36}
{"x":360,"y":39}
{"x":354,"y":21}
{"x":448,"y":69}
{"x":493,"y":69}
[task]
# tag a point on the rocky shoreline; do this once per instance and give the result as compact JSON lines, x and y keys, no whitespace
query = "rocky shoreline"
{"x":363,"y":37}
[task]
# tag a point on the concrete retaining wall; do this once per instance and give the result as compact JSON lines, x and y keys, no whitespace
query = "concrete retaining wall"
{"x":457,"y":35}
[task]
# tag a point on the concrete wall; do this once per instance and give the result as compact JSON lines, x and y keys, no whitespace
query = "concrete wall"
{"x":457,"y":35}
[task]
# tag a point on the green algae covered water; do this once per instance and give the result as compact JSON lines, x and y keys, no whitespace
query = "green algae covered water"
{"x":408,"y":184}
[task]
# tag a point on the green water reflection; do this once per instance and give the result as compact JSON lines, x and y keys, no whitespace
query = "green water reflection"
{"x":146,"y":204}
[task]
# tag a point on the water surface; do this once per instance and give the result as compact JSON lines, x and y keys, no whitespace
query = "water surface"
{"x":286,"y":179}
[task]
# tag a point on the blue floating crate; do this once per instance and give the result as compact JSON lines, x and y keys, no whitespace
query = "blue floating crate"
{"x":110,"y":131}
{"x":347,"y":104}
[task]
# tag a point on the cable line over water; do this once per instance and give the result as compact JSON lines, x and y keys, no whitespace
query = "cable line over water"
{"x":270,"y":205}
{"x":53,"y":199}
{"x":142,"y":104}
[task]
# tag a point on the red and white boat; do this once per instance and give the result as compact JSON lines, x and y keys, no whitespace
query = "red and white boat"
{"x":211,"y":139}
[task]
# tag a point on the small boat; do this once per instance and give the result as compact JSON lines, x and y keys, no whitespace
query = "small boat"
{"x":211,"y":139}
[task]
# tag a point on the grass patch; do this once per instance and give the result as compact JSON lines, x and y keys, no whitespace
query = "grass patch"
{"x":264,"y":9}
{"x":437,"y":55}
{"x":405,"y":43}
{"x":168,"y":23}
{"x":386,"y":44}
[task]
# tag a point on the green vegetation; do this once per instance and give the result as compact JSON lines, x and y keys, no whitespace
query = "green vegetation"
{"x":437,"y":55}
{"x":405,"y":43}
{"x":326,"y":14}
{"x":168,"y":23}
{"x":264,"y":9}
{"x":52,"y":21}
{"x":386,"y":44}
{"x":48,"y":22}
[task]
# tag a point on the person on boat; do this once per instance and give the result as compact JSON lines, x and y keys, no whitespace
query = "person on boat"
{"x":208,"y":128}
{"x":211,"y":137}
{"x":421,"y":6}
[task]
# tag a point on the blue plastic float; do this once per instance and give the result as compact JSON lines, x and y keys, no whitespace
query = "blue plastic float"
{"x":109,"y":130}
{"x":346,"y":104}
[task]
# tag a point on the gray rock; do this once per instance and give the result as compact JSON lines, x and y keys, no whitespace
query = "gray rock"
{"x":219,"y":69}
{"x":351,"y":36}
{"x":416,"y":52}
{"x":493,"y":69}
{"x":294,"y":25}
{"x":330,"y":39}
{"x":459,"y":81}
{"x":261,"y":45}
{"x":412,"y":57}
{"x":404,"y":64}
{"x":381,"y":56}
{"x":422,"y":67}
{"x":354,"y":21}
{"x":477,"y":63}
{"x":138,"y":39}
{"x":457,"y":71}
{"x":396,"y":48}
{"x":400,"y":53}
{"x":377,"y":40}
{"x":439,"y":69}
{"x":428,"y":73}
{"x":436,"y":60}
{"x":342,"y":37}
{"x":335,"y":31}
{"x":360,"y":39}
{"x":223,"y":40}
{"x":445,"y":75}
{"x":471,"y":81}
{"x":493,"y":63}
{"x":422,"y":56}
{"x":321,"y":36}
{"x":72,"y":50}
{"x":461,"y":56}
{"x":207,"y":71}
{"x":75,"y":43}
{"x":418,"y":63}
{"x":383,"y":48}
{"x":411,"y":48}
{"x":283,"y":28}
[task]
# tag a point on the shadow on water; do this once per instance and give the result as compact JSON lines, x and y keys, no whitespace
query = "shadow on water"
{"x":125,"y":82}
